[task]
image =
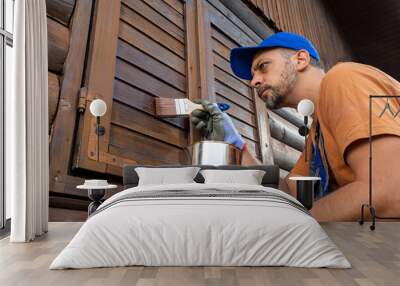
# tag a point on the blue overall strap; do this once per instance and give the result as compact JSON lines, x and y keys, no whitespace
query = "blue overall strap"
{"x":319,"y":165}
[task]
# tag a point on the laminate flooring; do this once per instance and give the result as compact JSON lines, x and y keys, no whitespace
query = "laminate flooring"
{"x":374,"y":255}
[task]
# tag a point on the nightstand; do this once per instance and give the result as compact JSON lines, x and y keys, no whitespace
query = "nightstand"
{"x":96,"y":192}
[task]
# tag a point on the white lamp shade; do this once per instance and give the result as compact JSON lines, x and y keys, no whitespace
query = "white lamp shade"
{"x":98,"y":107}
{"x":305,"y":107}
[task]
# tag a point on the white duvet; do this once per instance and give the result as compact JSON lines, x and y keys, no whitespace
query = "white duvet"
{"x":200,"y":231}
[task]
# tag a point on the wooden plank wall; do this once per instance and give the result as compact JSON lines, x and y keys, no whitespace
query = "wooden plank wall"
{"x":311,"y":19}
{"x":60,"y":10}
{"x":59,"y":13}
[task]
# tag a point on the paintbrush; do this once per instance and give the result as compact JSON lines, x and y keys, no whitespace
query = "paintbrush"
{"x":172,"y":107}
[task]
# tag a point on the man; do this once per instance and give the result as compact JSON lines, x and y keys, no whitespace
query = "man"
{"x":284,"y":69}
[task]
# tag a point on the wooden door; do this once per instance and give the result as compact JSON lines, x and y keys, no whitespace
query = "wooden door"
{"x":139,"y":50}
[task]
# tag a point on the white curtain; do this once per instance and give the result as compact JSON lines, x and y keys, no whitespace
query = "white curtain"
{"x":27,"y":156}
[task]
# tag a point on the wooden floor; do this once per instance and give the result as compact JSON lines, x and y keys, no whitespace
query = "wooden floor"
{"x":375,"y":257}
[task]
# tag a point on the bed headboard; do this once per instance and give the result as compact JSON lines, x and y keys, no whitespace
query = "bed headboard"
{"x":270,"y":179}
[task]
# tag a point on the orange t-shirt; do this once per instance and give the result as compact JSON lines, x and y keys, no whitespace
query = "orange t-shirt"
{"x":342,"y":110}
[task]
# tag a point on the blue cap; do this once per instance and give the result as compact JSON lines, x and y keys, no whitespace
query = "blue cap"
{"x":242,"y":58}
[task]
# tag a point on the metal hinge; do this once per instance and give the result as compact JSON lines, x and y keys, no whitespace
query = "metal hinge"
{"x":82,"y":99}
{"x":85,"y":98}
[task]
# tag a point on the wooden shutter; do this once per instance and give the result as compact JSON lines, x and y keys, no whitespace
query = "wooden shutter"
{"x":220,"y":31}
{"x":138,"y":51}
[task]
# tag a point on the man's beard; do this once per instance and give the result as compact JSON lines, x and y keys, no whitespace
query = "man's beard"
{"x":278,"y":93}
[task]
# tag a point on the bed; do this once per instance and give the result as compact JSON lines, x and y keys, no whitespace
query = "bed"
{"x":201,"y":224}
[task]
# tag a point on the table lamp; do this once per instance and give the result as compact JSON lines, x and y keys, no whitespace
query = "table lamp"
{"x":98,"y":108}
{"x":305,"y":108}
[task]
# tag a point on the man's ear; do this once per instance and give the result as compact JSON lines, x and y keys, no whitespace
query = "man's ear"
{"x":302,"y":59}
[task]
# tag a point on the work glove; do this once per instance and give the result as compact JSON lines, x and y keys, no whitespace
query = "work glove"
{"x":215,"y":124}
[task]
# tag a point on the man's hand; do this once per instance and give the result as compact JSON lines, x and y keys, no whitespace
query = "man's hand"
{"x":215,"y":124}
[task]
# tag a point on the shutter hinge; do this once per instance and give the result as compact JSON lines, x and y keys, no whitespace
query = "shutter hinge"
{"x":82,"y":99}
{"x":85,"y":98}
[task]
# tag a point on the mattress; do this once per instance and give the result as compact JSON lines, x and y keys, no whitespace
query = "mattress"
{"x":201,"y":225}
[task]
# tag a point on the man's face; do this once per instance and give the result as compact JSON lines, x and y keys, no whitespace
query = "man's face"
{"x":274,"y":76}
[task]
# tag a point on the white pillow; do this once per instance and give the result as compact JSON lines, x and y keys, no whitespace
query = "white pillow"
{"x":248,"y":177}
{"x":163,"y":176}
